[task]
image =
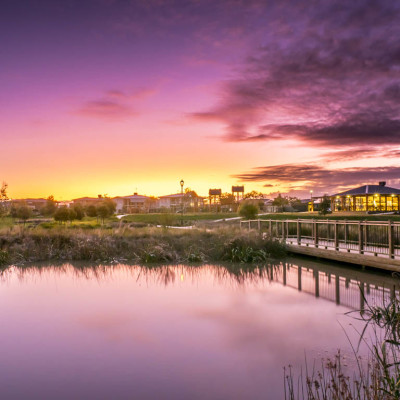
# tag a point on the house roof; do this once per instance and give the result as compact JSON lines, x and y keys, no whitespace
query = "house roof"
{"x":369,"y":189}
{"x":133,"y":197}
{"x":172,"y":195}
{"x":40,"y":200}
{"x":88,"y":198}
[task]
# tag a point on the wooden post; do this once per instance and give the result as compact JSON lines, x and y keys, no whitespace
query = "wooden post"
{"x":390,"y":238}
{"x":298,"y":232}
{"x":270,"y":228}
{"x":362,"y":298}
{"x":299,"y":278}
{"x":346,"y":228}
{"x":365,"y":234}
{"x":337,"y":289}
{"x":259,"y":224}
{"x":360,"y":238}
{"x":284,"y":274}
{"x":283,"y":230}
{"x":316,"y":283}
{"x":315,"y":234}
{"x":336,"y":236}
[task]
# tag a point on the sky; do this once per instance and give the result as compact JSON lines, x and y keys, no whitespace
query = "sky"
{"x":121,"y":96}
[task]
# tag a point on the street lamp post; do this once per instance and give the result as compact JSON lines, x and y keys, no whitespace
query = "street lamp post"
{"x":182,"y":183}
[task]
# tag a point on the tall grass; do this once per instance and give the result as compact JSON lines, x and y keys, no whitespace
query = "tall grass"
{"x":376,"y":379}
{"x":139,"y":245}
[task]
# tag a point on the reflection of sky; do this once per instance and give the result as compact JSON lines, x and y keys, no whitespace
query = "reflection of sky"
{"x":130,"y":333}
{"x":106,"y":96}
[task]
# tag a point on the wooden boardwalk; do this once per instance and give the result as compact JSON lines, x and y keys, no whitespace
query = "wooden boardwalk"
{"x":368,"y":243}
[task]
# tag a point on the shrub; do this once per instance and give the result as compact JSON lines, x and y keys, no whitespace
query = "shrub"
{"x":23,"y":212}
{"x":248,"y":210}
{"x":62,"y":214}
{"x":4,"y":257}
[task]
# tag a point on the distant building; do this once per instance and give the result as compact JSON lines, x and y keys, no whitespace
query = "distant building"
{"x":87,"y":201}
{"x":367,"y":198}
{"x":135,"y":203}
{"x":175,"y":202}
{"x":34,"y":204}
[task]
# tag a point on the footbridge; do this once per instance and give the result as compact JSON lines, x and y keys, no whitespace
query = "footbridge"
{"x":367,"y":243}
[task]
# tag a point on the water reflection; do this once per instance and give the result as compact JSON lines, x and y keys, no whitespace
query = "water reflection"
{"x":172,"y":332}
{"x":349,"y":286}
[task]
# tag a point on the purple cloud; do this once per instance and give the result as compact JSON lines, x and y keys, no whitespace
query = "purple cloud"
{"x":302,"y":177}
{"x":328,"y":74}
{"x":105,"y":109}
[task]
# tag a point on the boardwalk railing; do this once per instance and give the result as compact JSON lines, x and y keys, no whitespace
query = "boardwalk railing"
{"x":363,"y":237}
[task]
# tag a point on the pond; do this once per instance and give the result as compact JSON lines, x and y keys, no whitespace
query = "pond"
{"x":174,"y":332}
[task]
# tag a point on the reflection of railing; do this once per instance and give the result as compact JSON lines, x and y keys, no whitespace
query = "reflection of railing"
{"x":345,"y":287}
{"x":363,"y":237}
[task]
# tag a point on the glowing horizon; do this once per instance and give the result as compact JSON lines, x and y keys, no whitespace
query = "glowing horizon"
{"x":118,"y":97}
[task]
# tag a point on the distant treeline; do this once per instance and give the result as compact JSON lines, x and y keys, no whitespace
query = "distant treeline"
{"x":104,"y":209}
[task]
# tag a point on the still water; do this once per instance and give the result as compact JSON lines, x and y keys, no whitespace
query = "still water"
{"x":173,"y":332}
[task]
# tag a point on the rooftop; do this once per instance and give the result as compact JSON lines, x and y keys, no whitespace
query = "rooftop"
{"x":370,"y":189}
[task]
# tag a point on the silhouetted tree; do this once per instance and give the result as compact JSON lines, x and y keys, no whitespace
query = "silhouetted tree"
{"x":51,"y":206}
{"x":79,"y":212}
{"x":227,"y":199}
{"x":62,"y":214}
{"x":280,"y":202}
{"x":24,"y":212}
{"x":103,"y":212}
{"x":324,"y":206}
{"x":253,"y":195}
{"x":3,"y":199}
{"x":71,"y":214}
{"x":91,"y":211}
{"x":110,"y":205}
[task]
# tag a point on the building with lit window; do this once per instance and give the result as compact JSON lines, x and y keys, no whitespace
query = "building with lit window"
{"x":367,"y":198}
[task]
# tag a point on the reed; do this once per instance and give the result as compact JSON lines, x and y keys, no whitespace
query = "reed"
{"x":376,"y":379}
{"x":139,"y":245}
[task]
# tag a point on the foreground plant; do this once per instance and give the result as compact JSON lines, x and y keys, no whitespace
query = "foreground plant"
{"x":378,"y":379}
{"x":138,"y":245}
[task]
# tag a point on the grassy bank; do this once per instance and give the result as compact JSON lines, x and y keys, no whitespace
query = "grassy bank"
{"x":173,"y":219}
{"x":139,"y":245}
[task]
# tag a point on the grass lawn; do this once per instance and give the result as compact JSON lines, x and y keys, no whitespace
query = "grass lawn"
{"x":170,"y":219}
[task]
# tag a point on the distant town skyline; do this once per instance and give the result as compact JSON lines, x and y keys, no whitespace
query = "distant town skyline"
{"x":116,"y":97}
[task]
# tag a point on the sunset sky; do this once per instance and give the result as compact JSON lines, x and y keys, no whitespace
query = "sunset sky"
{"x":113,"y":97}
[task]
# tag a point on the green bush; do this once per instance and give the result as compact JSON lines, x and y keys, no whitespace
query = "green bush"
{"x":4,"y":257}
{"x":248,"y":210}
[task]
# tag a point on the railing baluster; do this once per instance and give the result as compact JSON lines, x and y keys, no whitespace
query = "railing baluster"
{"x":336,"y":236}
{"x":360,"y":238}
{"x":298,"y":232}
{"x":390,"y":239}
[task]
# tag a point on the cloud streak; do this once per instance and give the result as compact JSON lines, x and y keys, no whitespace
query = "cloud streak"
{"x":106,"y":109}
{"x":328,"y":75}
{"x":115,"y":104}
{"x":303,"y":177}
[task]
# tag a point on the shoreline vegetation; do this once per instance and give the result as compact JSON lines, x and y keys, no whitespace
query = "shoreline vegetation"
{"x":377,"y":378}
{"x":19,"y":245}
{"x":144,"y":238}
